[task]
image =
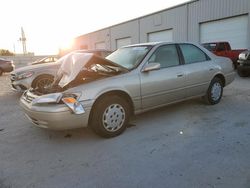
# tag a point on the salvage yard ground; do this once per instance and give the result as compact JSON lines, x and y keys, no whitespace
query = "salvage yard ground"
{"x":189,"y":145}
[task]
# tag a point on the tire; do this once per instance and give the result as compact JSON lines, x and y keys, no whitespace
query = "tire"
{"x":214,"y":92}
{"x":242,"y":73}
{"x":42,"y":81}
{"x":1,"y":72}
{"x":110,"y":116}
{"x":235,"y":63}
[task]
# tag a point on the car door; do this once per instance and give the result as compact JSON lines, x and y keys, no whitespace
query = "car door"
{"x":199,"y":69}
{"x":165,"y":85}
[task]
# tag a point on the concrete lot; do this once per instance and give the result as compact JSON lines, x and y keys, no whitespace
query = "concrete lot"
{"x":190,"y":145}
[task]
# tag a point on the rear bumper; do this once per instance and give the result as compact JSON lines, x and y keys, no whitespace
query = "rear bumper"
{"x":21,"y":85}
{"x":244,"y":66}
{"x":18,"y":88}
{"x":8,"y":68}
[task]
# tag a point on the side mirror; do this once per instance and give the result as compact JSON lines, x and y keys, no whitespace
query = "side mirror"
{"x":151,"y":66}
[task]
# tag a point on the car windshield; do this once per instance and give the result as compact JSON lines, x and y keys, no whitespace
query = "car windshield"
{"x":129,"y":57}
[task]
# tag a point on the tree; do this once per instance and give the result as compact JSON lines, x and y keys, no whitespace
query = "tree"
{"x":4,"y":52}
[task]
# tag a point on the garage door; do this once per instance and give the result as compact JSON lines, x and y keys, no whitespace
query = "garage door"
{"x":100,"y":45}
{"x":123,"y":42}
{"x":166,"y":35}
{"x":233,"y":30}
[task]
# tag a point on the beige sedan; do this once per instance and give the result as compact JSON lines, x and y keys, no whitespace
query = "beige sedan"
{"x":104,"y":93}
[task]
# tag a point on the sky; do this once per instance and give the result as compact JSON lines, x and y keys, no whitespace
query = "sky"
{"x":53,"y":24}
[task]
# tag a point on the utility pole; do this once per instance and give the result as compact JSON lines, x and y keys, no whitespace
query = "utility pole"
{"x":23,"y":40}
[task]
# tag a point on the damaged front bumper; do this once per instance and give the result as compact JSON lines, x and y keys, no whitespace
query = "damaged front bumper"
{"x":54,"y":116}
{"x":20,"y":85}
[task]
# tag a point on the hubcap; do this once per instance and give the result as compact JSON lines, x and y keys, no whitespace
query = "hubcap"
{"x":42,"y":83}
{"x":216,"y":91}
{"x":113,"y":117}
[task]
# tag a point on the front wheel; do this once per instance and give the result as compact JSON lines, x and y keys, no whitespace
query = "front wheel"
{"x":110,"y":116}
{"x":43,"y":81}
{"x":214,"y":92}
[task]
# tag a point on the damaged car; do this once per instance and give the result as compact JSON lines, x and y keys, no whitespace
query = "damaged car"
{"x":103,"y":93}
{"x":42,"y":74}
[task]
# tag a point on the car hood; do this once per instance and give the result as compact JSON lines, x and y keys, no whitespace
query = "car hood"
{"x":36,"y":67}
{"x":73,"y":63}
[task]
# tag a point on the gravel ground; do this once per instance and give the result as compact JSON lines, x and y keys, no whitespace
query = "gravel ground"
{"x":188,"y":145}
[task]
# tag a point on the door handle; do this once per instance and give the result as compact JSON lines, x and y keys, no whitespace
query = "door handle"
{"x":211,"y":69}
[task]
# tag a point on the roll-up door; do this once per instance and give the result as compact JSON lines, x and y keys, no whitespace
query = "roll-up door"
{"x":233,"y":30}
{"x":166,"y":35}
{"x":123,"y":42}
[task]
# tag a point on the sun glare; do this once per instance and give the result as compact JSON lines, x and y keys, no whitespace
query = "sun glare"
{"x":66,"y":44}
{"x":57,"y":28}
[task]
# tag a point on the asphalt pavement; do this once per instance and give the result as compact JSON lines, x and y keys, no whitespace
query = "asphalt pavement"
{"x":185,"y":145}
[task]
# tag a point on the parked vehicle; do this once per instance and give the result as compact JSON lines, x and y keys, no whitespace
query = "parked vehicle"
{"x":104,"y":93}
{"x":41,"y":75}
{"x":243,"y":68}
{"x":224,"y":49}
{"x":50,"y":59}
{"x":6,"y":66}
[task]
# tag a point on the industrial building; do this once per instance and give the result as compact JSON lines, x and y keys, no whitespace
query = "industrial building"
{"x":195,"y":21}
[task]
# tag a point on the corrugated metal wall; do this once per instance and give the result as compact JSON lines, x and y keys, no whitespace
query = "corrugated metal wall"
{"x":172,"y":19}
{"x":185,"y":21}
{"x":128,"y":29}
{"x":99,"y":37}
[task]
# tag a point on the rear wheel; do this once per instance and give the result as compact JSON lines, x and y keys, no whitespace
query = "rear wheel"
{"x":42,"y":82}
{"x":214,"y":92}
{"x":110,"y":116}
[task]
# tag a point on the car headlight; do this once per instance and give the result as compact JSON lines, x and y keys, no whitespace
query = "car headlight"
{"x":46,"y":99}
{"x":24,"y":75}
{"x":73,"y":105}
{"x":71,"y":100}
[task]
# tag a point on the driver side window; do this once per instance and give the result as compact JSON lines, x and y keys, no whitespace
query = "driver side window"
{"x":166,"y":55}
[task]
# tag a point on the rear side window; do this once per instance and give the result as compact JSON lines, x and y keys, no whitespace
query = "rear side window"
{"x":192,"y":54}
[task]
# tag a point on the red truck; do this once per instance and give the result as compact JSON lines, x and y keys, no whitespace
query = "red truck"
{"x":224,"y":49}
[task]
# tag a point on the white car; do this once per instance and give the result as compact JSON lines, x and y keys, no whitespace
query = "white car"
{"x":41,"y":75}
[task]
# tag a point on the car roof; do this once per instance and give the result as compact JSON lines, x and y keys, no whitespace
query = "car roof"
{"x":144,"y":44}
{"x":157,"y":43}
